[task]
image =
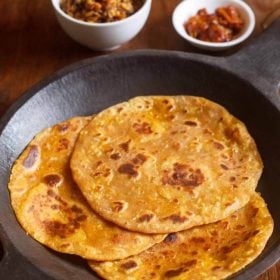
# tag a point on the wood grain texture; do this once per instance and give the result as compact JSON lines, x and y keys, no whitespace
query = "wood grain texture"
{"x":32,"y":46}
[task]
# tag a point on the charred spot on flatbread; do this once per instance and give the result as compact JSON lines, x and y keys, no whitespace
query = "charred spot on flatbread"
{"x":190,"y":123}
{"x":129,"y":265}
{"x":176,"y":218}
{"x":128,"y":169}
{"x":183,"y":175}
{"x":171,"y":238}
{"x":142,"y":128}
{"x":115,"y":156}
{"x":125,"y":146}
{"x":63,"y":127}
{"x":53,"y":180}
{"x":63,"y":144}
{"x":145,"y":218}
{"x":75,"y":216}
{"x":139,"y":159}
{"x":119,"y":206}
{"x":32,"y":157}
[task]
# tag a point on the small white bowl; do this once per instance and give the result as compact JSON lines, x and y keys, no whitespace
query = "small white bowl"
{"x":103,"y":36}
{"x":189,"y":8}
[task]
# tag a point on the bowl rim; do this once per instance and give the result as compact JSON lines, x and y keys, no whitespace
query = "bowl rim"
{"x":248,"y":31}
{"x":56,"y":6}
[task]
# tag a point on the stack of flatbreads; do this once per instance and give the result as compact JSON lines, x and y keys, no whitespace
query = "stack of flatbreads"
{"x":157,"y":187}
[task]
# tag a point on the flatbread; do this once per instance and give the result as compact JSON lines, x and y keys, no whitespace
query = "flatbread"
{"x":171,"y":162}
{"x":51,"y":208}
{"x":209,"y":252}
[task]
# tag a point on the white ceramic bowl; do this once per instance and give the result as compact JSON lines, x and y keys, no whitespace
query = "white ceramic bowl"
{"x":189,"y":8}
{"x":103,"y":36}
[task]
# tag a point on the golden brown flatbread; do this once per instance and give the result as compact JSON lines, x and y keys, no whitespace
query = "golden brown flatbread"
{"x":51,"y":208}
{"x":209,"y":252}
{"x":169,"y":163}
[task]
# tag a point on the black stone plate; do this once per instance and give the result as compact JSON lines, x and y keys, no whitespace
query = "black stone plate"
{"x":247,"y":84}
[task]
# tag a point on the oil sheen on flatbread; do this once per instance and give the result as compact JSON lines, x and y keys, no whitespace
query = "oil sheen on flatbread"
{"x":51,"y":208}
{"x":209,"y":252}
{"x":171,"y":163}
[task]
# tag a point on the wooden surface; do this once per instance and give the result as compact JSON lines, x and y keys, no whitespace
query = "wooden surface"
{"x":32,"y":46}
